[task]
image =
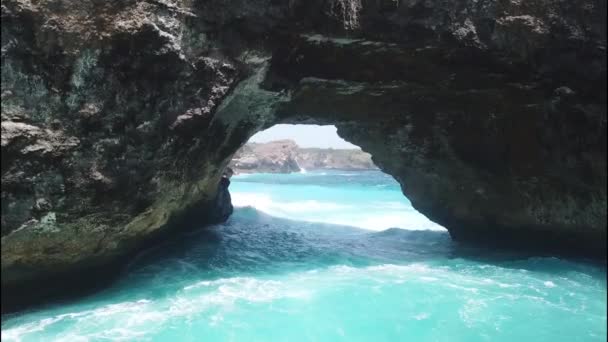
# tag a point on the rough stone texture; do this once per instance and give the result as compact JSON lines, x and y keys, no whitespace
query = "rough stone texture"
{"x":106,"y":132}
{"x":118,"y":117}
{"x":339,"y":159}
{"x":274,"y":157}
{"x":285,"y":156}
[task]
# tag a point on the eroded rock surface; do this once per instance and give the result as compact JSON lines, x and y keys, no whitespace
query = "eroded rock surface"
{"x":118,"y":118}
{"x":279,"y":156}
{"x":338,"y":159}
{"x":285,"y":156}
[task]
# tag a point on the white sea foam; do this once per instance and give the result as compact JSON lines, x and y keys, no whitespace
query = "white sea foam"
{"x":421,"y":316}
{"x":391,"y":205}
{"x":214,"y":301}
{"x":228,"y":290}
{"x":266,"y":204}
{"x":377,"y":218}
{"x":16,"y":334}
{"x":472,"y":312}
{"x":395,"y":219}
{"x":139,"y":317}
{"x":549,"y":284}
{"x":299,"y":285}
{"x":130,"y":313}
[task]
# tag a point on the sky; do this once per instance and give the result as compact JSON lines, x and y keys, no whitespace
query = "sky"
{"x":304,"y":136}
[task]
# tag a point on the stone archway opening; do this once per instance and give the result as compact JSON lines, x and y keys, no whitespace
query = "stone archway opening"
{"x":309,"y":173}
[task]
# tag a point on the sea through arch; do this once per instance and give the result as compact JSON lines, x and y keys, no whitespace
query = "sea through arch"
{"x":309,"y":173}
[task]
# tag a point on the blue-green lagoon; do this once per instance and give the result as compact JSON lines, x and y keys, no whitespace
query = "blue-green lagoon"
{"x":328,"y":256}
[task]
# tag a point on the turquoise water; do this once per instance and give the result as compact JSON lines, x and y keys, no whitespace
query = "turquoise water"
{"x":370,"y":199}
{"x":277,"y":270}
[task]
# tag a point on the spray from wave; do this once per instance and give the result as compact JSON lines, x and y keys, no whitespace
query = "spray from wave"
{"x":350,"y":201}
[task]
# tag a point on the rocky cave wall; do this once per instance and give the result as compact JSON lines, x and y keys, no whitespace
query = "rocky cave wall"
{"x":118,"y":117}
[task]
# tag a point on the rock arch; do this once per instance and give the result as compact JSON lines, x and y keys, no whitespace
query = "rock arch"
{"x":491,"y":115}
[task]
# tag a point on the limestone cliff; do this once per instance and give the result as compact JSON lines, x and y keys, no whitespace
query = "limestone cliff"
{"x":118,"y":117}
{"x":279,"y":156}
{"x":285,"y":156}
{"x":339,"y":159}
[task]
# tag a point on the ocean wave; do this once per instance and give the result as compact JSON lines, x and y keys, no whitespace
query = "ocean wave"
{"x":376,"y":216}
{"x":132,"y":313}
{"x":266,"y":204}
{"x":404,"y":220}
{"x":391,"y":205}
{"x":228,"y":290}
{"x":211,"y":302}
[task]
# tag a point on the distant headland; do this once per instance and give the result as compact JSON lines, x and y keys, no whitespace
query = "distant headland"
{"x":285,"y":156}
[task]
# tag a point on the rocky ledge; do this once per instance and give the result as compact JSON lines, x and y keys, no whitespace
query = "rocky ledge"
{"x":285,"y":156}
{"x":119,"y":117}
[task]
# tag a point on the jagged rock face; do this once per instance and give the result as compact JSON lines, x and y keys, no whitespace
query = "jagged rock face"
{"x":119,"y":117}
{"x":107,"y":132}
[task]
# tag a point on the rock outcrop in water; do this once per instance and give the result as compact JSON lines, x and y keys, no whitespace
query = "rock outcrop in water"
{"x":118,"y":118}
{"x":274,"y":157}
{"x":285,"y":156}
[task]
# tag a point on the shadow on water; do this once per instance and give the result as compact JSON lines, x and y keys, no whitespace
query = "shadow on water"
{"x":252,"y":243}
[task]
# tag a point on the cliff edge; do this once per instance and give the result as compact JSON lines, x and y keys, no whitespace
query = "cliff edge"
{"x":285,"y":156}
